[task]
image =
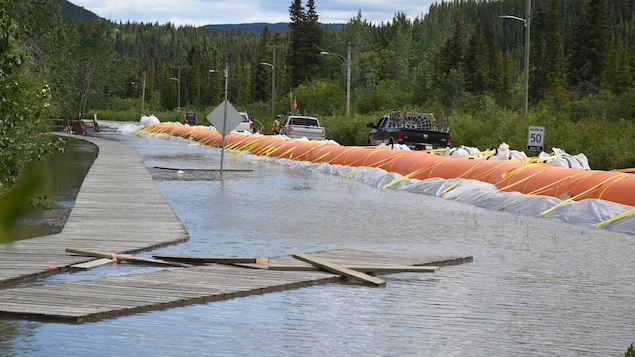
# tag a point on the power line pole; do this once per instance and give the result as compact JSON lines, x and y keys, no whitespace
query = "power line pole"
{"x":273,"y":79}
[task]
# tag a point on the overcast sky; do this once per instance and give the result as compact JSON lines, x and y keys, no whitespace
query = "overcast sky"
{"x":214,"y":12}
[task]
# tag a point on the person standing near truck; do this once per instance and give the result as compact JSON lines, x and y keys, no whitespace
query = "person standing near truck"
{"x":276,"y":125}
{"x":153,"y":118}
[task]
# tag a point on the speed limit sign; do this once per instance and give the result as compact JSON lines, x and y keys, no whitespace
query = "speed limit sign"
{"x":535,"y":138}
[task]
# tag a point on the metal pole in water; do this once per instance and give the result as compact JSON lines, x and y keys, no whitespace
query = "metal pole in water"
{"x":222,"y":152}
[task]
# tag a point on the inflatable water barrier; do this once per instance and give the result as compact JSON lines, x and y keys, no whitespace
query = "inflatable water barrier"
{"x":510,"y":175}
{"x":525,"y":186}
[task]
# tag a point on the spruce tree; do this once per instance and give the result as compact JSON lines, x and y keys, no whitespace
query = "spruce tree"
{"x":305,"y":41}
{"x":476,"y":66}
{"x":589,"y":47}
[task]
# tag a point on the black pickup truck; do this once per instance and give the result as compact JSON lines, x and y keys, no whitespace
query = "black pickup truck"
{"x":418,"y":131}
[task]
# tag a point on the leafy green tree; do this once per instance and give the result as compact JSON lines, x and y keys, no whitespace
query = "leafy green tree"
{"x":21,"y":122}
{"x":23,"y":131}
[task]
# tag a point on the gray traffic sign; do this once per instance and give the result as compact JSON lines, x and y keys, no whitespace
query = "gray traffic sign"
{"x":223,"y":124}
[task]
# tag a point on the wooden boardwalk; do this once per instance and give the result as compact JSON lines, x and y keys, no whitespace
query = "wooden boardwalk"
{"x":118,"y":209}
{"x":111,"y":297}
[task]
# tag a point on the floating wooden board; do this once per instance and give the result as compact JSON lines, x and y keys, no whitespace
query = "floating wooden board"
{"x":128,"y":257}
{"x":218,"y":260}
{"x":364,"y":268}
{"x":199,"y":169}
{"x":337,"y":269}
{"x":91,"y":264}
{"x":110,"y":297}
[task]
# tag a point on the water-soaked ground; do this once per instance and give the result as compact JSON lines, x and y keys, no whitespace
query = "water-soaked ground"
{"x":537,"y":287}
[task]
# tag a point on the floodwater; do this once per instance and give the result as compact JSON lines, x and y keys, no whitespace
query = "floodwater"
{"x":65,"y":173}
{"x":536,"y":287}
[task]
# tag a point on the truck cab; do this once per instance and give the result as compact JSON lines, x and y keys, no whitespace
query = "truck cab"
{"x":418,"y":131}
{"x":299,"y":126}
{"x":190,"y":118}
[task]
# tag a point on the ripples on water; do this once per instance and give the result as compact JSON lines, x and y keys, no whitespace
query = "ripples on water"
{"x":536,"y":287}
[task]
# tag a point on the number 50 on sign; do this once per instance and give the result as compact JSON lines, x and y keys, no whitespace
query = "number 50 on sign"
{"x":535,"y":138}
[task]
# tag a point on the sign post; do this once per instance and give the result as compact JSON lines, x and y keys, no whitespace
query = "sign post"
{"x":536,"y":138}
{"x":224,"y":118}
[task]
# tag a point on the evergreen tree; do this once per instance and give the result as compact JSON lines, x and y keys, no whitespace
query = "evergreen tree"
{"x":554,"y":55}
{"x":313,"y":36}
{"x":547,"y":52}
{"x":262,"y":73}
{"x":617,"y":74}
{"x":589,"y":47}
{"x":450,"y":55}
{"x":448,"y":67}
{"x":476,"y":64}
{"x":496,"y":84}
{"x":305,"y":42}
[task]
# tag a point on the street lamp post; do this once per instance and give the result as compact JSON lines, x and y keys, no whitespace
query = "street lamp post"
{"x":527,"y":22}
{"x":143,"y":92}
{"x":273,"y":86}
{"x":178,"y":81}
{"x":347,"y":61}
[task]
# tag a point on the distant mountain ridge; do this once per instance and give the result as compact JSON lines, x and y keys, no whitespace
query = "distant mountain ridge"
{"x":80,"y":13}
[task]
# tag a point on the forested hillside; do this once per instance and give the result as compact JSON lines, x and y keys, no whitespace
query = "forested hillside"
{"x":461,"y":59}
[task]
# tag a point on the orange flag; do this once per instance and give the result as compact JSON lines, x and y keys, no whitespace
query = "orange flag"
{"x":295,"y":103}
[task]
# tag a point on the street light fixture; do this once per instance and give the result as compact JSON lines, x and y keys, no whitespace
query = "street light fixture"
{"x":273,"y":86}
{"x":527,"y":23}
{"x":179,"y":97}
{"x":346,"y":60}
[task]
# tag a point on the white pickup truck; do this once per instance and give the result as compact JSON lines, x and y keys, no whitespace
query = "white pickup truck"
{"x":297,"y":126}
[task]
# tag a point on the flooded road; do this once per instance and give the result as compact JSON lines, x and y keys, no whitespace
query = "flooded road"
{"x":536,"y":287}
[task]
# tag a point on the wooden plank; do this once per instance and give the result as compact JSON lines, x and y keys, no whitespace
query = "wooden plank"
{"x":199,"y":169}
{"x":128,"y":257}
{"x":92,"y":264}
{"x":333,"y":268}
{"x":364,"y":268}
{"x":218,"y":260}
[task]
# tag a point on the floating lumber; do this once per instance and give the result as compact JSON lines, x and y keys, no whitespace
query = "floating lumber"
{"x":92,"y":264}
{"x":364,"y":268}
{"x":337,"y":269}
{"x":218,"y":260}
{"x":128,"y":257}
{"x":111,"y":297}
{"x":199,"y":169}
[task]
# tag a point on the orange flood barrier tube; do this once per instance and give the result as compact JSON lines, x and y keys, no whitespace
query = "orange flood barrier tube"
{"x":509,"y":175}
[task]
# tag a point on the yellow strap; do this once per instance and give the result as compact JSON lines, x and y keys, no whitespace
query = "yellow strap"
{"x":583,"y":193}
{"x":632,"y":169}
{"x":351,"y":172}
{"x":451,"y":187}
{"x":480,"y":154}
{"x":619,"y":216}
{"x":404,"y":177}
